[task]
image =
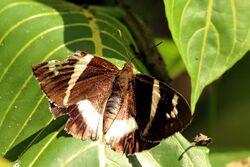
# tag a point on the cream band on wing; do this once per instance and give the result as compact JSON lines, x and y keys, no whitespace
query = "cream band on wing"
{"x":52,"y":66}
{"x":80,"y":66}
{"x":119,"y":129}
{"x":156,"y":96}
{"x":92,"y":118}
{"x":174,"y":112}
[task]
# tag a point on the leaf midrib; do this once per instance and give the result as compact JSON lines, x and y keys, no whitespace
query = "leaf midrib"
{"x":208,"y":20}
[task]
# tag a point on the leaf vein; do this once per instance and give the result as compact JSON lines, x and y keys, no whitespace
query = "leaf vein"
{"x":208,"y":21}
{"x":180,"y":33}
{"x":25,"y":123}
{"x":182,"y":148}
{"x":95,"y":31}
{"x":152,"y":159}
{"x":234,"y":12}
{"x":43,"y":129}
{"x":30,"y":76}
{"x":78,"y":153}
{"x":33,"y":40}
{"x":45,"y":146}
{"x":16,"y":4}
{"x":217,"y":51}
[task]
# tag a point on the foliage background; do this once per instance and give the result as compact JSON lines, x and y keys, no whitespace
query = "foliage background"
{"x":222,"y":111}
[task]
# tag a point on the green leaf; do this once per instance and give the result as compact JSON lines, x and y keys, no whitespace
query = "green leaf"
{"x":50,"y":30}
{"x":211,"y":37}
{"x":5,"y":163}
{"x":175,"y":146}
{"x":171,"y":57}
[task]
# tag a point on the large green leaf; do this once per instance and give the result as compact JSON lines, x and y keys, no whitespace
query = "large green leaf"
{"x":35,"y":31}
{"x":210,"y":35}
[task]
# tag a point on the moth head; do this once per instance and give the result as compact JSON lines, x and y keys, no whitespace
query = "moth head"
{"x":128,"y":67}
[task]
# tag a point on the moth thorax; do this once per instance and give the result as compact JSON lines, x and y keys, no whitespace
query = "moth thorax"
{"x":128,"y":66}
{"x":122,"y":81}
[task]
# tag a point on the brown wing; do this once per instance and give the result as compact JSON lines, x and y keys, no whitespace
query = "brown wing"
{"x":121,"y":132}
{"x":119,"y":117}
{"x":78,"y":87}
{"x":66,"y":83}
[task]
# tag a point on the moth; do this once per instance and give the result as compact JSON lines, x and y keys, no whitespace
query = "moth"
{"x":126,"y":111}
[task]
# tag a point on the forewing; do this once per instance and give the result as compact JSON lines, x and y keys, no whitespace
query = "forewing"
{"x":161,"y":111}
{"x":81,"y":76}
{"x":78,"y":87}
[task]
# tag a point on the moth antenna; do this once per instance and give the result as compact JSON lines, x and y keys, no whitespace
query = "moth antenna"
{"x":132,"y":59}
{"x":126,"y":45}
{"x":159,"y":43}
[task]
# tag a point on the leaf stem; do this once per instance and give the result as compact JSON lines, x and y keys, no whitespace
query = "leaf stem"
{"x":147,"y":50}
